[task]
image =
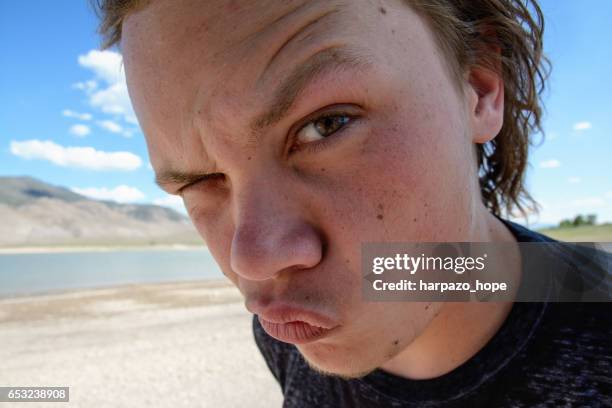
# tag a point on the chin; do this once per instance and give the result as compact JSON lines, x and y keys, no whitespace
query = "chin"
{"x":329,"y":360}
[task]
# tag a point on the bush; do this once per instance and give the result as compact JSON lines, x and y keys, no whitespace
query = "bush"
{"x":579,"y":220}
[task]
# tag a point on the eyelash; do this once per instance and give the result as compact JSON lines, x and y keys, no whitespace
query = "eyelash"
{"x":204,"y":178}
{"x":314,"y":147}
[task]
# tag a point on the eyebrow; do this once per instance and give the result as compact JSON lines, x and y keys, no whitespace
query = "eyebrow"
{"x":330,"y":59}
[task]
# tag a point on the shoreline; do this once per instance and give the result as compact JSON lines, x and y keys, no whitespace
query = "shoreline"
{"x":132,"y":288}
{"x":97,"y":248}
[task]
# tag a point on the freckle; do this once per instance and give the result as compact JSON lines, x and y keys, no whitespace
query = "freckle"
{"x":379,"y":216}
{"x":249,"y":158}
{"x":322,"y":168}
{"x":348,"y":261}
{"x":414,"y":220}
{"x":307,"y":298}
{"x":426,"y":307}
{"x":380,"y":206}
{"x":393,"y":31}
{"x":382,"y":10}
{"x":396,"y":342}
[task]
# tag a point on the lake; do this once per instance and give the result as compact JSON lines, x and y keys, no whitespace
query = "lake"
{"x":22,"y":274}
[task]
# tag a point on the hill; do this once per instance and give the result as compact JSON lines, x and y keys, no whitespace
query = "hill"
{"x":37,"y":213}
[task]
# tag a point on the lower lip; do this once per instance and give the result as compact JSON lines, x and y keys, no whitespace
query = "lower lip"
{"x":297,"y":332}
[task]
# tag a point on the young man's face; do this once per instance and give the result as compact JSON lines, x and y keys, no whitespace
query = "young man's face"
{"x":329,"y":124}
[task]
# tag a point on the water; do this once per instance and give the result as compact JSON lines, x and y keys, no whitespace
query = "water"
{"x":22,"y":274}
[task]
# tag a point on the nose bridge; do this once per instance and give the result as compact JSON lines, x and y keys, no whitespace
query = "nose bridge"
{"x":272,"y":233}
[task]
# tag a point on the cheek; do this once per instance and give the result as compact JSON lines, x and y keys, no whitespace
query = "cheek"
{"x":415,"y":176}
{"x":217,"y":232}
{"x":385,"y":192}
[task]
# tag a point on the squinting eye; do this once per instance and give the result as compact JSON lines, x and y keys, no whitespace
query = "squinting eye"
{"x":321,"y":128}
{"x":206,"y":178}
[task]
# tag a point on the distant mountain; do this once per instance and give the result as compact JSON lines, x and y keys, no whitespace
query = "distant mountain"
{"x":33,"y":212}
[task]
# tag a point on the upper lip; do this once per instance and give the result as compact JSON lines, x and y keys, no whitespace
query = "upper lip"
{"x":282,"y":312}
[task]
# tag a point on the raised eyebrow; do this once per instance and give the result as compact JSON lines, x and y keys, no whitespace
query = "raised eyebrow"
{"x":333,"y":58}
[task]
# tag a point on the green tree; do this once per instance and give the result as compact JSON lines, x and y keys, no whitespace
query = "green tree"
{"x":578,"y":220}
{"x":591,"y":219}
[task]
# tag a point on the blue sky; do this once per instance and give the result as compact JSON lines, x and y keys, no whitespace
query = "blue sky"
{"x":66,"y":119}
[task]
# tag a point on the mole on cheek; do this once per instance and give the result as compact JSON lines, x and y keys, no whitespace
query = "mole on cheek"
{"x":380,"y":216}
{"x":382,"y":10}
{"x":395,"y":342}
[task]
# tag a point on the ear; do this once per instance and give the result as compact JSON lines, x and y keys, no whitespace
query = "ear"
{"x":486,"y":103}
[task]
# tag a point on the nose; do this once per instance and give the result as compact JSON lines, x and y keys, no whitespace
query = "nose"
{"x":272,"y":235}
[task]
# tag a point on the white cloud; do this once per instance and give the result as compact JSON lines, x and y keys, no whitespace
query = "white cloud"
{"x":171,"y":201}
{"x":112,"y":98}
{"x":115,"y":127}
{"x":72,"y":114}
{"x":87,"y":86}
{"x":550,"y":164}
{"x":574,"y":180}
{"x":111,"y":126}
{"x":107,"y":65}
{"x":76,"y":157}
{"x":609,"y":195}
{"x":120,"y":194}
{"x":579,"y":126}
{"x":80,"y":130}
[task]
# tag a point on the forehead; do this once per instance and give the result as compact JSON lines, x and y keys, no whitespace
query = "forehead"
{"x":226,"y":45}
{"x":209,"y":65}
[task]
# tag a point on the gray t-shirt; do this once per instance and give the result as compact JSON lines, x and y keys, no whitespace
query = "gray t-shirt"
{"x":544,"y":355}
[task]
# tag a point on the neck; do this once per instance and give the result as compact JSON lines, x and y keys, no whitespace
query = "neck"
{"x":459,"y":329}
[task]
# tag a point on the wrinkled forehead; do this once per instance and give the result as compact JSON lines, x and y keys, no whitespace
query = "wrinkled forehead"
{"x":221,"y":28}
{"x":225,"y":45}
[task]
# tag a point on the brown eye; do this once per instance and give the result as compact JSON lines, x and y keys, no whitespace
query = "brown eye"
{"x":321,"y":128}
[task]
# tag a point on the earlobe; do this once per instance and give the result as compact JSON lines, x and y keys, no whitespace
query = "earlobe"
{"x":486,"y":103}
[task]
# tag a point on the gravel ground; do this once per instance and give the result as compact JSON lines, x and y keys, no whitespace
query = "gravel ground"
{"x":167,"y":345}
